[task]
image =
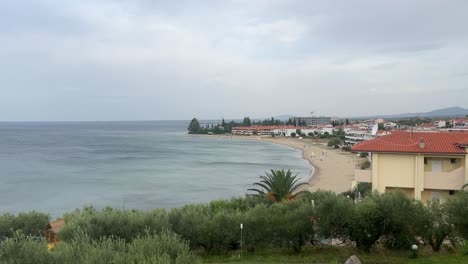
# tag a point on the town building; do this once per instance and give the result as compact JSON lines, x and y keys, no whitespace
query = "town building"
{"x":423,"y":165}
{"x":313,"y":120}
{"x":264,"y":130}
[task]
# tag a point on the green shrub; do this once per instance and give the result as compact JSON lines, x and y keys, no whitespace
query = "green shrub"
{"x":211,"y":228}
{"x":346,"y":148}
{"x":364,"y":188}
{"x":366,"y":224}
{"x":31,"y":224}
{"x":125,"y":224}
{"x":333,"y":216}
{"x":457,"y":210}
{"x":238,"y":203}
{"x":281,"y":225}
{"x":435,"y":227}
{"x":166,"y":248}
{"x":366,"y":165}
{"x":401,"y":217}
{"x":334,"y":142}
{"x":363,"y":154}
{"x":21,"y":249}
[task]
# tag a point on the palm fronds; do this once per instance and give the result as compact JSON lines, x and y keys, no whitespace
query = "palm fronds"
{"x":278,"y":185}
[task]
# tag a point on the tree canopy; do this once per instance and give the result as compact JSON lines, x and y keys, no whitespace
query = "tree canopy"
{"x":194,"y":126}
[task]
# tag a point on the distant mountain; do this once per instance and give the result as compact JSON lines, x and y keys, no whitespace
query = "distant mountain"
{"x":445,"y":112}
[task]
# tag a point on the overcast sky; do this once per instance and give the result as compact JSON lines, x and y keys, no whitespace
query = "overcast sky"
{"x":149,"y":60}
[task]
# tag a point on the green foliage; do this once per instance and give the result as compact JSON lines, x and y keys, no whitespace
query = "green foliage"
{"x":31,"y":224}
{"x":366,"y":224}
{"x":333,"y":215}
{"x":346,"y":148}
{"x":334,"y":142}
{"x":133,"y":236}
{"x":164,"y":248}
{"x":194,"y":126}
{"x":435,"y":227}
{"x":363,"y":154}
{"x":457,"y":210}
{"x":293,"y":134}
{"x":278,"y":185}
{"x":281,"y":225}
{"x":124,"y":224}
{"x":364,"y":188}
{"x":401,"y":217}
{"x":365,"y":165}
{"x":215,"y":230}
{"x":246,"y":121}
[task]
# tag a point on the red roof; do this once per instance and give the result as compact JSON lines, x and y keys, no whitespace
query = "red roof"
{"x":408,"y":142}
{"x":265,"y":127}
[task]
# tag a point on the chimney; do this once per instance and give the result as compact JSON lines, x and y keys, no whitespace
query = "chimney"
{"x":422,"y":144}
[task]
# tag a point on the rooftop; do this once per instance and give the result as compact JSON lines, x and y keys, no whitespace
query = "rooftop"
{"x":409,"y":142}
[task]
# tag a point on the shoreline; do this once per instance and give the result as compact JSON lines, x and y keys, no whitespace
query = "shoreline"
{"x":333,"y":171}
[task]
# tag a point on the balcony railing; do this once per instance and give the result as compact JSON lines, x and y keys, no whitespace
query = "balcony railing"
{"x":452,"y":180}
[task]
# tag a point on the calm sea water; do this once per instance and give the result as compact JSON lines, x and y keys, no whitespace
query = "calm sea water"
{"x":57,"y":167}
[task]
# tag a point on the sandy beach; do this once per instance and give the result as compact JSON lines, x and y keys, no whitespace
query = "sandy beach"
{"x":334,"y":168}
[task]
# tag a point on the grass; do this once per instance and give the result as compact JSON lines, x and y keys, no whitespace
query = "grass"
{"x":332,"y":255}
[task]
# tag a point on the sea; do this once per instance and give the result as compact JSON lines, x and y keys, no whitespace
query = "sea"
{"x":56,"y":167}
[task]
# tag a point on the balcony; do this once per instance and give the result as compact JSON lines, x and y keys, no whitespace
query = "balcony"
{"x":363,"y":175}
{"x":452,"y":180}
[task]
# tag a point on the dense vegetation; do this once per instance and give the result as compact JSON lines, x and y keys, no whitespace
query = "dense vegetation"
{"x":387,"y":220}
{"x":225,"y":127}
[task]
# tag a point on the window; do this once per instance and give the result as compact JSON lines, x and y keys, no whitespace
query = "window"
{"x":425,"y":161}
{"x":451,"y":192}
{"x":453,"y":161}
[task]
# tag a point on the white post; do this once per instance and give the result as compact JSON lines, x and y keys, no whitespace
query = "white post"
{"x":242,"y":242}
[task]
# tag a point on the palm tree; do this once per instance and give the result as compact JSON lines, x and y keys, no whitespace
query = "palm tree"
{"x":278,"y":185}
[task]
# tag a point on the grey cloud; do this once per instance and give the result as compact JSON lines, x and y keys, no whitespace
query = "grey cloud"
{"x":111,"y":60}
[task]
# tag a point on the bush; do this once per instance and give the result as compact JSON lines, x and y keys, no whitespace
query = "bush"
{"x":213,"y":230}
{"x":457,"y":210}
{"x":281,"y":225}
{"x":239,"y":203}
{"x":364,"y":188}
{"x":401,"y":218}
{"x":335,"y":142}
{"x":124,"y":224}
{"x":333,"y":216}
{"x":366,"y":165}
{"x":363,"y":154}
{"x":30,"y":224}
{"x":164,"y":248}
{"x":435,"y":228}
{"x":311,"y":134}
{"x":293,"y":134}
{"x":366,"y":224}
{"x":346,"y":148}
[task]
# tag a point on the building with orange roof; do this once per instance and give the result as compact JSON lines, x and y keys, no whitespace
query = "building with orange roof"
{"x":423,"y":165}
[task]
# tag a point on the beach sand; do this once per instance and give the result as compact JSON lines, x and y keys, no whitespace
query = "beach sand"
{"x":334,"y":171}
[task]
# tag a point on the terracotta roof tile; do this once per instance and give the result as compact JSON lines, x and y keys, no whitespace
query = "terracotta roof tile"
{"x":408,"y":142}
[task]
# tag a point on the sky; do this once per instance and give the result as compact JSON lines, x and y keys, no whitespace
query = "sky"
{"x":88,"y":60}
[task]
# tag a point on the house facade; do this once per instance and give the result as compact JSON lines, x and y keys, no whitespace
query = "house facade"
{"x":423,"y":165}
